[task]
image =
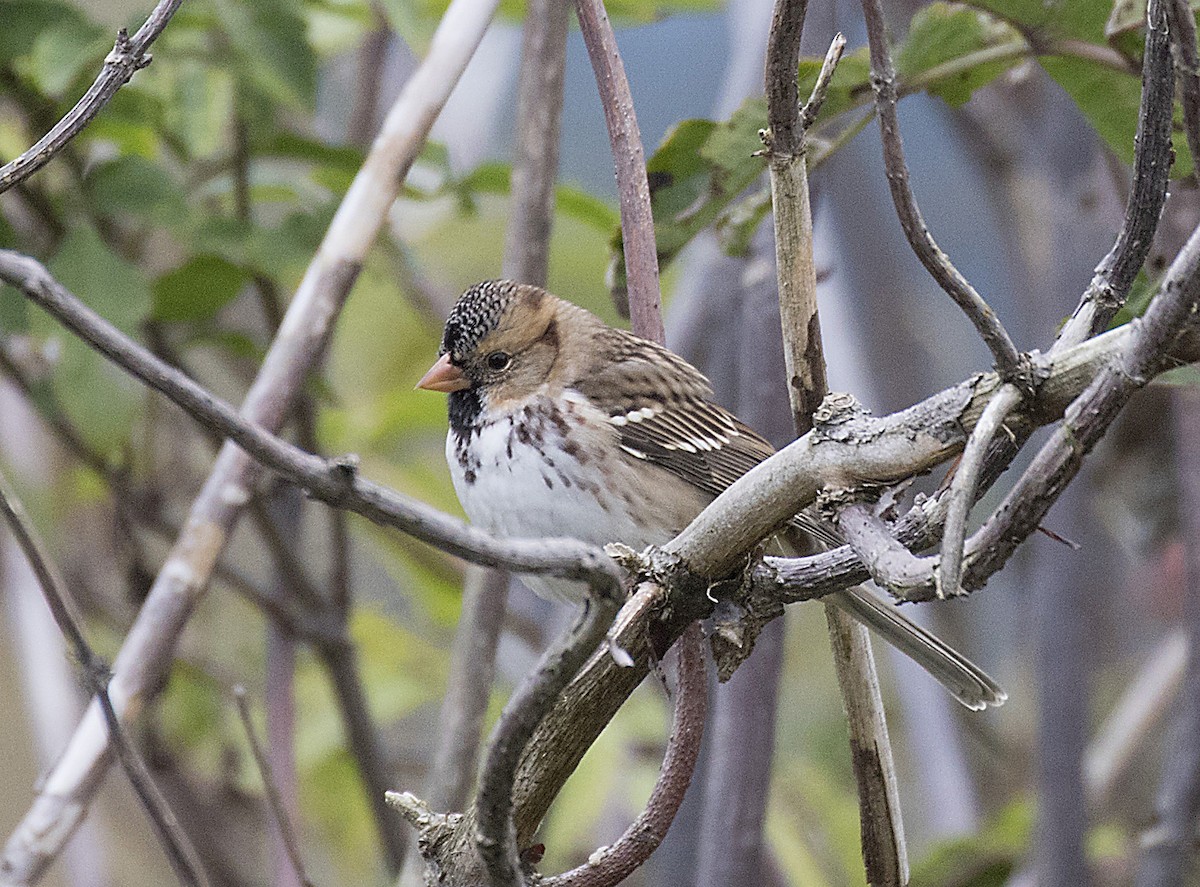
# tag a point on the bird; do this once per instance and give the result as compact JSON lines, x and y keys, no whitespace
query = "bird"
{"x":561,"y":425}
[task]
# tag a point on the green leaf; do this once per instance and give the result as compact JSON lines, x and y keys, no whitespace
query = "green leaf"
{"x":271,"y":49}
{"x":1053,"y":19}
{"x":62,"y":51}
{"x":1110,"y":101}
{"x":25,"y":20}
{"x":198,"y":290}
{"x":700,"y":167}
{"x":135,"y":186}
{"x":101,"y":399}
{"x":945,"y":32}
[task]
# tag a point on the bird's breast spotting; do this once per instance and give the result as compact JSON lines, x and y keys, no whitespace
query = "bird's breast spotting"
{"x":545,"y":470}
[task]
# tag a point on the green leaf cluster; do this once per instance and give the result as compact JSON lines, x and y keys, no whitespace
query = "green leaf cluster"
{"x":700,"y":174}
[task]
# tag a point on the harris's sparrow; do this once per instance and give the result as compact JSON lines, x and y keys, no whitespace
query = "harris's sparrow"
{"x":561,"y":425}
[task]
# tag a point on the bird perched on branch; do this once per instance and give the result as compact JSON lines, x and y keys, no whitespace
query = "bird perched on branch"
{"x":561,"y":425}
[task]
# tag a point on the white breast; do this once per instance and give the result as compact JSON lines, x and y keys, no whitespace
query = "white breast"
{"x":515,"y":486}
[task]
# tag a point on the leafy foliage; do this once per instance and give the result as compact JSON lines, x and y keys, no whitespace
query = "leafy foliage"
{"x":950,"y":51}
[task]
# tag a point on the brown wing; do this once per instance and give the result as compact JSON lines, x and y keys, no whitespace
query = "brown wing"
{"x":664,"y":411}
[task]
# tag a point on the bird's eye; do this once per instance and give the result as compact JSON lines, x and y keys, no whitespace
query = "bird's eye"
{"x":498,"y":360}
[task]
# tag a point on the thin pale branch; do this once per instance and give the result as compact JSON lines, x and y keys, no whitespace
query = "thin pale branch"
{"x":147,"y":652}
{"x":633,"y":189}
{"x":274,"y":800}
{"x":1151,"y":169}
{"x":808,"y":114}
{"x":961,"y":495}
{"x":180,"y":853}
{"x":127,"y":57}
{"x":883,"y":848}
{"x":936,"y":262}
{"x":334,"y":481}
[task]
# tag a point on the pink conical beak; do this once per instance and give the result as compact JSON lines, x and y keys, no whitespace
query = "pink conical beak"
{"x":444,"y":376}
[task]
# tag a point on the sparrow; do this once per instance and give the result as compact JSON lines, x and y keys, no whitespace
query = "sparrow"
{"x":561,"y":425}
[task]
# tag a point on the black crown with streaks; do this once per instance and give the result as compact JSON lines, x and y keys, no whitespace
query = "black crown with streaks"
{"x":474,"y":315}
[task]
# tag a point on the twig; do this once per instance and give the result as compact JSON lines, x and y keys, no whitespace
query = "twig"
{"x":883,"y":848}
{"x":633,"y":189}
{"x":611,"y":865}
{"x":334,"y":481}
{"x":1182,"y":28}
{"x":1151,"y":168}
{"x":180,"y":852}
{"x":936,"y":262}
{"x":808,"y":113}
{"x":468,"y":686}
{"x":128,"y":56}
{"x":1087,"y":418}
{"x":890,"y":564}
{"x":961,"y":495}
{"x":539,"y":122}
{"x":495,"y":832}
{"x":146,"y":653}
{"x":274,"y":801}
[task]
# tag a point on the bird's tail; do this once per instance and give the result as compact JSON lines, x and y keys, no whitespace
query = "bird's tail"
{"x":968,"y":683}
{"x":965,"y":680}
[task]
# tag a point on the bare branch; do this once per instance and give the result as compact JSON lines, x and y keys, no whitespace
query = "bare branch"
{"x":808,"y":114}
{"x":495,"y":832}
{"x":1151,"y":168}
{"x":334,"y":481}
{"x":936,"y":262}
{"x":611,"y":865}
{"x":539,"y":122}
{"x":180,"y":853}
{"x":1087,"y":418}
{"x":961,"y":495}
{"x":637,"y":221}
{"x":883,"y":848}
{"x":146,"y":653}
{"x":274,"y":801}
{"x":1182,"y":28}
{"x":127,"y":57}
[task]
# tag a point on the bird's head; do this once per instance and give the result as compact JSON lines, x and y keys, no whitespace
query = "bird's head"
{"x":501,"y":337}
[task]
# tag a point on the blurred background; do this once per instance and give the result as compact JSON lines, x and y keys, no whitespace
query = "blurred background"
{"x":186,"y":214}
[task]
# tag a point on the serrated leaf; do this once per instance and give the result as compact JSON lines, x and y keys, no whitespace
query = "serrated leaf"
{"x":197,"y":290}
